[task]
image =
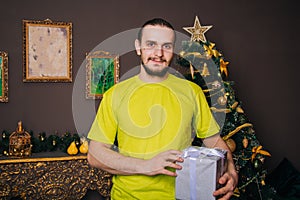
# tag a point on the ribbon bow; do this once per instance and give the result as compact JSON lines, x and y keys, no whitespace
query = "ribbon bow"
{"x":258,"y":150}
{"x":210,"y":51}
{"x":198,"y":152}
{"x":223,"y":67}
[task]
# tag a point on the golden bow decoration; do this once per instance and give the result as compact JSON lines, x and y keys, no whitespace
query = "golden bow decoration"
{"x":223,"y":67}
{"x":258,"y":150}
{"x":210,"y":51}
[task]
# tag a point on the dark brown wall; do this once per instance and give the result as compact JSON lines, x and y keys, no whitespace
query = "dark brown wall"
{"x":259,"y":38}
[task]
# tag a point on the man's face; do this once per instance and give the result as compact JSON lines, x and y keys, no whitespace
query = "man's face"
{"x":156,"y":49}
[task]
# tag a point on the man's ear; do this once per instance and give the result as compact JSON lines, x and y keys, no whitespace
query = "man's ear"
{"x":137,"y":45}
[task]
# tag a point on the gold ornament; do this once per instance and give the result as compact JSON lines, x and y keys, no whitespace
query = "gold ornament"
{"x":192,"y":70}
{"x":245,"y":142}
{"x":226,"y":137}
{"x":210,"y":51}
{"x":214,"y":109}
{"x":223,"y":67}
{"x":239,"y":110}
{"x":19,"y":142}
{"x":20,"y":129}
{"x":216,"y":85}
{"x":236,"y":192}
{"x":258,"y":150}
{"x":197,"y":31}
{"x":222,"y":100}
{"x":205,"y":71}
{"x":234,"y":105}
{"x":231,"y":144}
{"x":84,"y":147}
{"x":72,"y":149}
{"x":184,"y":54}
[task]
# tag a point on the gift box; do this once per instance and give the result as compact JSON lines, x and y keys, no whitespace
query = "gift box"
{"x":201,"y":170}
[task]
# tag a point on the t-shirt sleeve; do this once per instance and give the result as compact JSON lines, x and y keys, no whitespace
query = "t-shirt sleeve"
{"x":204,"y":122}
{"x":104,"y":127}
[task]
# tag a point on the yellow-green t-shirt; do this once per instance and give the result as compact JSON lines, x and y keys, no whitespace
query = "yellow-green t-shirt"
{"x":150,"y":118}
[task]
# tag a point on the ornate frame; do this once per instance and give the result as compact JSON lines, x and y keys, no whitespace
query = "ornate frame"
{"x":47,"y":51}
{"x":107,"y":67}
{"x":3,"y":76}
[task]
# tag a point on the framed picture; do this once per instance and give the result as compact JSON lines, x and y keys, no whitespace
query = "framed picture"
{"x":102,"y":72}
{"x":3,"y":77}
{"x":47,"y":51}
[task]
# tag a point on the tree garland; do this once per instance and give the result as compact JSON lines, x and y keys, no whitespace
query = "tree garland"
{"x":42,"y":142}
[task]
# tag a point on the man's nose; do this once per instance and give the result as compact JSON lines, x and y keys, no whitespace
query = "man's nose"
{"x":158,"y":51}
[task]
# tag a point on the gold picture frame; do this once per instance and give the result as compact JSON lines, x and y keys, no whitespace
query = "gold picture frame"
{"x":102,"y":72}
{"x":3,"y":76}
{"x":47,"y":51}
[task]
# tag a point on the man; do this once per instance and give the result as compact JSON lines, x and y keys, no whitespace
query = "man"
{"x":152,"y":115}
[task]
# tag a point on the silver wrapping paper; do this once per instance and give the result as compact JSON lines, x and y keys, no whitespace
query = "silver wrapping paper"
{"x":201,"y":170}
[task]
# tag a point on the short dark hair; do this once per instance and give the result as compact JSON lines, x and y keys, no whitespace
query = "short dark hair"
{"x":153,"y":22}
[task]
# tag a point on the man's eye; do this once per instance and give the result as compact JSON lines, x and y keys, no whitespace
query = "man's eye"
{"x":150,"y":44}
{"x":167,"y":46}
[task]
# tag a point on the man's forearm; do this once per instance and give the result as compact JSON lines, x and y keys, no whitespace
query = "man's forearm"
{"x":103,"y":157}
{"x":217,"y":141}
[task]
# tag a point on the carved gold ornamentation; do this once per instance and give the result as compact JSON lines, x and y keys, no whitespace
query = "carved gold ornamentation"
{"x":51,"y":178}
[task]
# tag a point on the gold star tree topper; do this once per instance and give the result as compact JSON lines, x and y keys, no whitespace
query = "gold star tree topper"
{"x":197,"y":31}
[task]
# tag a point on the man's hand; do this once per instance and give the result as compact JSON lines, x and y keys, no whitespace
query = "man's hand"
{"x":159,"y":163}
{"x":229,"y":180}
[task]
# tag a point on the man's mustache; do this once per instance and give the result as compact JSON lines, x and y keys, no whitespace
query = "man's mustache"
{"x":157,"y":59}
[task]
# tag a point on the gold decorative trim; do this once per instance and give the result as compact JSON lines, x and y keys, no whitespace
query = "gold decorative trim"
{"x":28,"y":160}
{"x":4,"y":77}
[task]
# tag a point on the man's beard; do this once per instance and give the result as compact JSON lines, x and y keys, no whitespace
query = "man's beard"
{"x":151,"y":72}
{"x":160,"y":73}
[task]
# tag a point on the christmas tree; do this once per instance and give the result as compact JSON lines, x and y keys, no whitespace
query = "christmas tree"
{"x":202,"y":63}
